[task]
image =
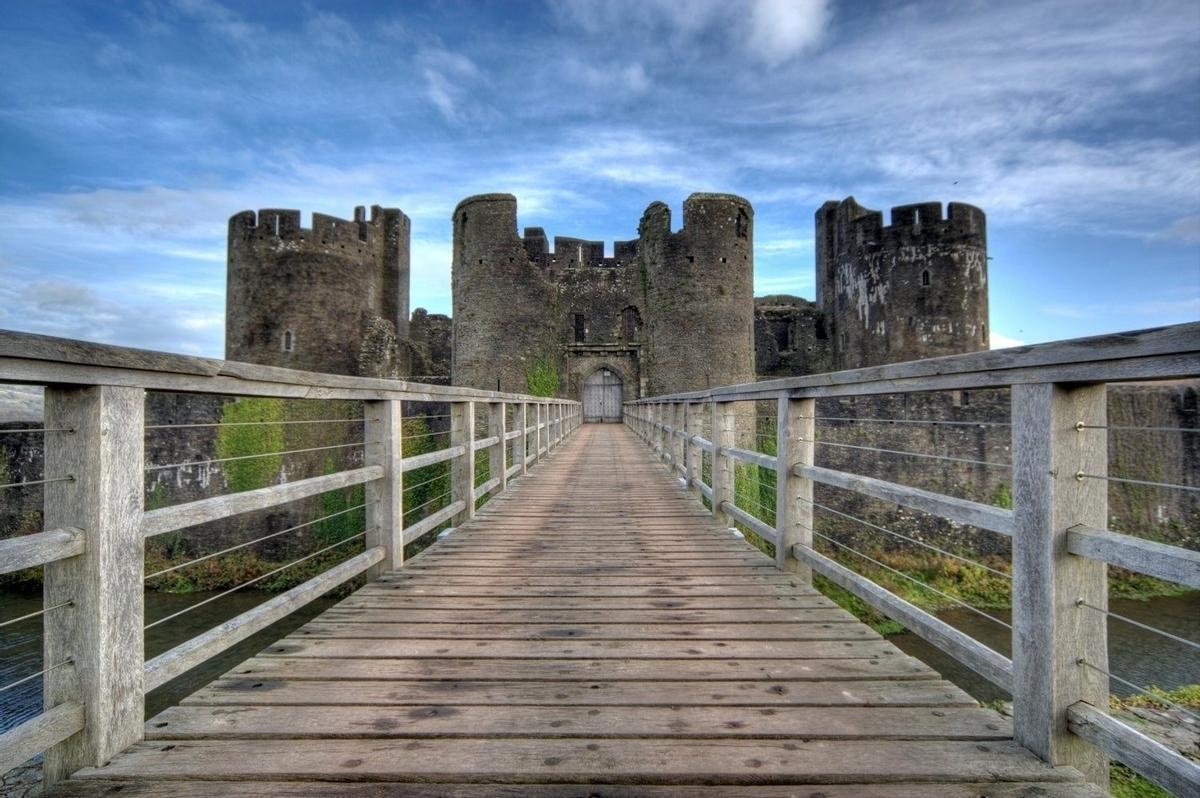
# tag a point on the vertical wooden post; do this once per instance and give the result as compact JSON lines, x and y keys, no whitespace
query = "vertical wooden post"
{"x":724,"y":422}
{"x":694,"y":457}
{"x":383,"y":428}
{"x":537,"y":432}
{"x":1052,"y":634}
{"x":794,"y":433}
{"x":523,"y":409}
{"x":497,"y":462}
{"x":462,"y":468}
{"x":661,"y":437}
{"x":100,"y":633}
{"x":678,"y":438}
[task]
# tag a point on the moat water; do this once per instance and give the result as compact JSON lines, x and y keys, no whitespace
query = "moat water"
{"x":1135,"y":654}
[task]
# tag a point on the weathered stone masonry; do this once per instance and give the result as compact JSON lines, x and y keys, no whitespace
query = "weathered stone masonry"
{"x":669,"y":311}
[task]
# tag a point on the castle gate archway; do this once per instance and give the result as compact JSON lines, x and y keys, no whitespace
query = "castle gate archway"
{"x":602,"y":397}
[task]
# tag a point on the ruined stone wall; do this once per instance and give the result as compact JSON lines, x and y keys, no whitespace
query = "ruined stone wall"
{"x":914,"y":289}
{"x":331,"y":287}
{"x":699,"y":287}
{"x":506,"y":312}
{"x":673,"y":311}
{"x":431,"y":335}
{"x":791,"y":337}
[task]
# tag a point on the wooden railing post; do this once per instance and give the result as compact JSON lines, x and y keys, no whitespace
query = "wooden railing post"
{"x":724,"y":422}
{"x":678,"y":437}
{"x":462,"y":468}
{"x":497,"y":462}
{"x":694,"y":457}
{"x":93,"y":646}
{"x":1060,"y":648}
{"x":524,"y":439}
{"x":537,"y":432}
{"x":383,"y":431}
{"x":795,"y":426}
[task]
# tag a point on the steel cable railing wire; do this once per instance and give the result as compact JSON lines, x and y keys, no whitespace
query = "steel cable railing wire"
{"x":255,"y":580}
{"x":1183,"y":640}
{"x":254,"y":456}
{"x":912,"y":579}
{"x":252,"y":542}
{"x":1146,"y":691}
{"x":1080,"y":475}
{"x":930,"y":422}
{"x":32,"y":676}
{"x":31,"y":482}
{"x":201,"y":425}
{"x":943,"y":457}
{"x":895,"y":534}
{"x":42,"y":611}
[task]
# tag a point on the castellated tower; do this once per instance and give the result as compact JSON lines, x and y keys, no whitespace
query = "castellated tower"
{"x":666,"y":312}
{"x":333,"y":298}
{"x":914,"y":289}
{"x":699,"y":294}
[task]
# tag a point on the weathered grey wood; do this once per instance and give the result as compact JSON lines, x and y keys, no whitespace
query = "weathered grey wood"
{"x":194,"y":651}
{"x":430,"y":458}
{"x":430,"y":522}
{"x":462,"y":468}
{"x":168,"y":519}
{"x":538,"y":434}
{"x":1172,"y":563}
{"x":383,"y":432}
{"x":693,"y":454}
{"x":485,"y":443}
{"x":28,"y":739}
{"x":989,"y":664}
{"x":705,"y":490}
{"x":961,"y":511}
{"x":1051,"y":632}
{"x":1164,"y":766}
{"x":512,"y":470}
{"x":101,"y":634}
{"x":760,"y":527}
{"x":497,"y":456}
{"x":795,"y":428}
{"x":574,"y":759}
{"x":816,"y":723}
{"x":28,"y":551}
{"x":524,"y":442}
{"x":1159,"y":352}
{"x":723,"y":425}
{"x":484,"y":488}
{"x":755,"y":458}
{"x":138,"y":788}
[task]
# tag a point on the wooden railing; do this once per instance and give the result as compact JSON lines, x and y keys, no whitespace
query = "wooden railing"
{"x":95,"y":523}
{"x":1058,"y":521}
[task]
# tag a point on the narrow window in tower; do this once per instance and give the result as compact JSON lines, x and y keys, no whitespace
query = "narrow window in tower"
{"x":925,"y":278}
{"x":289,"y":341}
{"x":631,"y":323}
{"x":580,"y":328}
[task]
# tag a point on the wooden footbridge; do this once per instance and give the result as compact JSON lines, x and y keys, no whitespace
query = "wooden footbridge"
{"x":592,"y":629}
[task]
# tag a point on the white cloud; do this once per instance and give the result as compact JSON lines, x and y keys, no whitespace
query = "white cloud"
{"x":447,"y":75}
{"x":780,"y":30}
{"x":1002,"y":341}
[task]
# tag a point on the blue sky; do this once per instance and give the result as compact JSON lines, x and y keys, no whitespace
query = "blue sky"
{"x":131,"y":131}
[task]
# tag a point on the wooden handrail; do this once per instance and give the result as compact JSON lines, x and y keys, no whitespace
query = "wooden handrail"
{"x":93,"y":554}
{"x":1056,"y":524}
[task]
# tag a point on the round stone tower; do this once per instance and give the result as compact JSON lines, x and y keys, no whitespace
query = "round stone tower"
{"x":699,"y":287}
{"x":914,"y":289}
{"x":309,"y":298}
{"x":505,"y":309}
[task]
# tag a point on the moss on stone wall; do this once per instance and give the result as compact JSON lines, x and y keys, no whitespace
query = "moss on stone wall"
{"x":241,"y":434}
{"x":542,"y":378}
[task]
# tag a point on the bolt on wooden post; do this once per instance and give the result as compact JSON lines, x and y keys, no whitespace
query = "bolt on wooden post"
{"x":1053,"y":634}
{"x":462,"y":468}
{"x":383,"y":432}
{"x":100,"y":632}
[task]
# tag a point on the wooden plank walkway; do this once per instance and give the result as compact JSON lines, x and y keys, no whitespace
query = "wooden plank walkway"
{"x":593,"y":632}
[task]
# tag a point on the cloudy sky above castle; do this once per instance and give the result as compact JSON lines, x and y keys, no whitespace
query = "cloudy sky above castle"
{"x":132,"y":130}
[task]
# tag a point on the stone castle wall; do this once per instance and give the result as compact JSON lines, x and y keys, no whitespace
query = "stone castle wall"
{"x":653,"y":312}
{"x":311,"y":298}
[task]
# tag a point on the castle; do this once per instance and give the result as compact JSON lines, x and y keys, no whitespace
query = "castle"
{"x":332,"y":298}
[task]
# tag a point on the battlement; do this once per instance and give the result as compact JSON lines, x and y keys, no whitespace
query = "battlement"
{"x":847,"y":226}
{"x":573,"y":252}
{"x":281,"y":224}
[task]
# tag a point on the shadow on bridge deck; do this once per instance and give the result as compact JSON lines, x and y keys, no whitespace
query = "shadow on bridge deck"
{"x":592,"y":632}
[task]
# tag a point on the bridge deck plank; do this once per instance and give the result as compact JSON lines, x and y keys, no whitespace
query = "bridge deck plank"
{"x":591,"y":632}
